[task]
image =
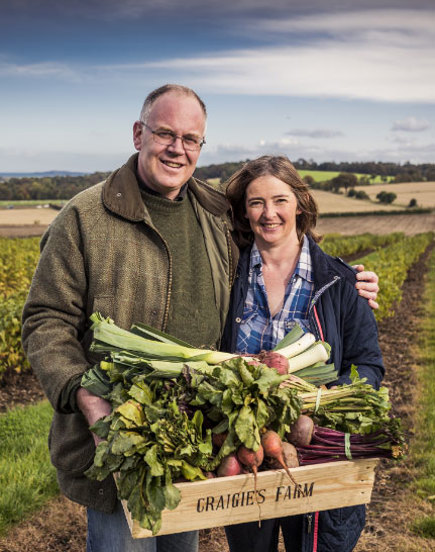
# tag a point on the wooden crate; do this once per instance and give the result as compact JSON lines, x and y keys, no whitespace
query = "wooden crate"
{"x":230,"y":500}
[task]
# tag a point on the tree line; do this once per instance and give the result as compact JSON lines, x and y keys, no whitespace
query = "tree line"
{"x":408,"y":172}
{"x":65,"y":187}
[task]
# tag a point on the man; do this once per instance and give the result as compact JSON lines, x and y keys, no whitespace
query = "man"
{"x":149,"y":244}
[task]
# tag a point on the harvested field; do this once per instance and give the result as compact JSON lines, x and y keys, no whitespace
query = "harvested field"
{"x":423,"y":192}
{"x":329,"y":202}
{"x":27,"y":217}
{"x":21,"y":222}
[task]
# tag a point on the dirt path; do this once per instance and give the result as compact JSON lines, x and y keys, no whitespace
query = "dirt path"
{"x":61,"y":526}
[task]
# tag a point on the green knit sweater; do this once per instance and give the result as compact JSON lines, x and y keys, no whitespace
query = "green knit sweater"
{"x":192,"y":284}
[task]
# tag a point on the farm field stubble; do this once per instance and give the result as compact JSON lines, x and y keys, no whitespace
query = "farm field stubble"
{"x":409,"y":224}
{"x":422,"y":192}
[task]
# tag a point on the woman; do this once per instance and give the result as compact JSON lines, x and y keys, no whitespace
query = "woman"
{"x":285,"y":278}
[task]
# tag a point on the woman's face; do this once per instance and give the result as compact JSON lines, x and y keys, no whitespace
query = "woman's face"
{"x":271,"y":208}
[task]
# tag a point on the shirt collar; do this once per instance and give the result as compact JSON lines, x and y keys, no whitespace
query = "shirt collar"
{"x":255,"y":260}
{"x":303,"y":268}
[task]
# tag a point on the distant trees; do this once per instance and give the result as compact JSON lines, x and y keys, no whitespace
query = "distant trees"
{"x":46,"y":188}
{"x":66,"y":186}
{"x":386,"y":197}
{"x":357,"y":194}
{"x":409,"y":176}
{"x":222,"y":171}
{"x":309,"y":180}
{"x":343,"y":180}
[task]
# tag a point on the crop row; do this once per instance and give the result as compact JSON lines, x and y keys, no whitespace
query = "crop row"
{"x":394,"y":254}
{"x":391,"y":265}
{"x":18,"y":258}
{"x":344,"y":246}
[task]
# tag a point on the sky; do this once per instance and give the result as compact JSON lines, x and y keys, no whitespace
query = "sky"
{"x":336,"y":80}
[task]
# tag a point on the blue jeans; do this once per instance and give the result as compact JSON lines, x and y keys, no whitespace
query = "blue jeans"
{"x":110,"y":533}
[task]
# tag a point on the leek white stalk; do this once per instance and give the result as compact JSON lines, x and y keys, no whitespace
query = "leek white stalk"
{"x":298,"y":347}
{"x":108,"y":333}
{"x":316,"y":353}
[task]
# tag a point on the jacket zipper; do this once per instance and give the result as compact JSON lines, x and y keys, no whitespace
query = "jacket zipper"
{"x":315,"y":299}
{"x":319,"y":332}
{"x":310,"y":523}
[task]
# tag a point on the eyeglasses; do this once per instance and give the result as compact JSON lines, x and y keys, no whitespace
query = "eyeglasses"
{"x":167,"y":138}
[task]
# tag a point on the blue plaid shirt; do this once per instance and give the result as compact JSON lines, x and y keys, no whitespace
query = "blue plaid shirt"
{"x":258,"y":329}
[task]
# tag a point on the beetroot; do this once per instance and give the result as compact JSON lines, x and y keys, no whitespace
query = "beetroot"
{"x":274,"y":360}
{"x":250,"y":458}
{"x":290,"y":455}
{"x":301,"y":432}
{"x":229,"y":466}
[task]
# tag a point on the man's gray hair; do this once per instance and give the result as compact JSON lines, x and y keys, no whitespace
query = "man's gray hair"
{"x":152,"y":97}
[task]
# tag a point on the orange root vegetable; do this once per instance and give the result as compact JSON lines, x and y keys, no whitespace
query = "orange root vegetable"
{"x":249,"y":458}
{"x":290,"y":457}
{"x":272,"y":445}
{"x":229,"y":466}
{"x":301,"y":432}
{"x":274,"y":360}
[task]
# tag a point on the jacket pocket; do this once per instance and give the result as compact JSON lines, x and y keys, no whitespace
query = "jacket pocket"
{"x":71,"y":444}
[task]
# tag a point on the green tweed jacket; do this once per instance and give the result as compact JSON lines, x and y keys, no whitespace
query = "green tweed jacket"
{"x":102,"y":253}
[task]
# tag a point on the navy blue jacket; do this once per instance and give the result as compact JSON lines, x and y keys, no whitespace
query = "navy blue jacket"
{"x":339,"y":316}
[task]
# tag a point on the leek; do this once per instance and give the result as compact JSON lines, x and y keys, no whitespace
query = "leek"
{"x":314,"y":354}
{"x":108,"y":335}
{"x":298,"y":346}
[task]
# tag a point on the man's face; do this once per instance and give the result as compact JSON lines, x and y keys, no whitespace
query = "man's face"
{"x":165,"y":168}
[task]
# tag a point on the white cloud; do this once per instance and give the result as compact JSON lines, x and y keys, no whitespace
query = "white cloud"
{"x":410,"y":124}
{"x":414,"y":153}
{"x":39,"y":70}
{"x":386,"y":56}
{"x":380,"y":55}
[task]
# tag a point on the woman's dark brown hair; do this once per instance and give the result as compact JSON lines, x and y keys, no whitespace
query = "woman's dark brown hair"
{"x":280,"y":167}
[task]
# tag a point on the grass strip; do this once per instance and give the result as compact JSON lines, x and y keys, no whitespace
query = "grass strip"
{"x":423,"y":444}
{"x":27,"y":478}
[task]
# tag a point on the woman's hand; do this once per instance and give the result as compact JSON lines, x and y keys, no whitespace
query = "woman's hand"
{"x":367,"y":285}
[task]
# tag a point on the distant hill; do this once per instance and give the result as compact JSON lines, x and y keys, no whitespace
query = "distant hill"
{"x":39,"y":174}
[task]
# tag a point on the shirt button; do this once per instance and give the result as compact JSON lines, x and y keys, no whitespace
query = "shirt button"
{"x":119,"y":194}
{"x":238,"y":320}
{"x":100,"y":491}
{"x":154,"y":312}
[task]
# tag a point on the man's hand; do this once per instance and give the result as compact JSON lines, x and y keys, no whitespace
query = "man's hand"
{"x":367,"y":285}
{"x":93,"y":408}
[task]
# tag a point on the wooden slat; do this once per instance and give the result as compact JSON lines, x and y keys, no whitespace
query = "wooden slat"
{"x":230,"y":500}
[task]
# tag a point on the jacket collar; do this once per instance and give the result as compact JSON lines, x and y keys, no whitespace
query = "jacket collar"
{"x":121,"y":194}
{"x":325,"y":268}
